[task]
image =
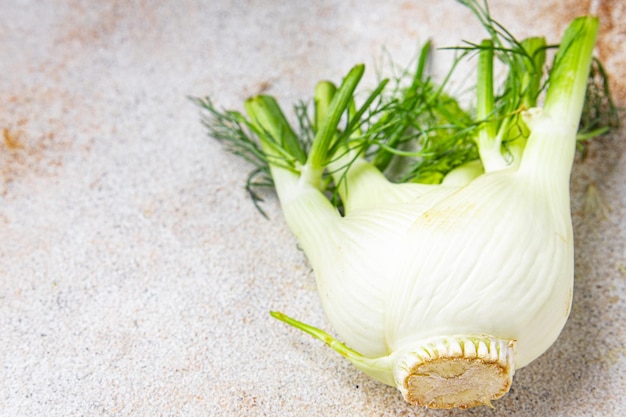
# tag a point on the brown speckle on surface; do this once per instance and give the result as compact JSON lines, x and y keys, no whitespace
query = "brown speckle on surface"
{"x":32,"y":142}
{"x":611,"y":44}
{"x":11,"y":141}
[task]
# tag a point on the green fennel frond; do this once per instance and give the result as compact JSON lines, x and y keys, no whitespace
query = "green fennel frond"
{"x":410,"y":127}
{"x":600,"y":114}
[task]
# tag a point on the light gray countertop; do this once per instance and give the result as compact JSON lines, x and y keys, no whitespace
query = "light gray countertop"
{"x":136,"y":276}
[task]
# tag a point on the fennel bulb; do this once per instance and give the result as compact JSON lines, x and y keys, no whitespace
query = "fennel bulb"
{"x":446,"y":281}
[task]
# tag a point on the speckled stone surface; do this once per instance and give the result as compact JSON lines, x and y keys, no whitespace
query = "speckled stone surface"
{"x":135,"y":274}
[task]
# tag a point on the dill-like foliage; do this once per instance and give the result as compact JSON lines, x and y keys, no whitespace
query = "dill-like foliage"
{"x":410,"y":127}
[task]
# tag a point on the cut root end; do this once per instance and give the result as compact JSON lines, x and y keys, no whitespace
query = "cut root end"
{"x":456,"y":372}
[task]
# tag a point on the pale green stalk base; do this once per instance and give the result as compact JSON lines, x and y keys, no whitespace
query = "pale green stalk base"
{"x":456,"y":372}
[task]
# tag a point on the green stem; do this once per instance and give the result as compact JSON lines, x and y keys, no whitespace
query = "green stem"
{"x":533,"y":69}
{"x":488,"y":140}
{"x":484,"y":92}
{"x":552,"y":143}
{"x":379,"y":368}
{"x":523,"y":85}
{"x":324,"y":93}
{"x":319,"y":334}
{"x":280,"y":143}
{"x":319,"y":154}
{"x":568,"y":79}
{"x":421,"y":64}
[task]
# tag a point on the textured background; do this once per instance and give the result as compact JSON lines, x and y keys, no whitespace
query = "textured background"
{"x":135,"y":274}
